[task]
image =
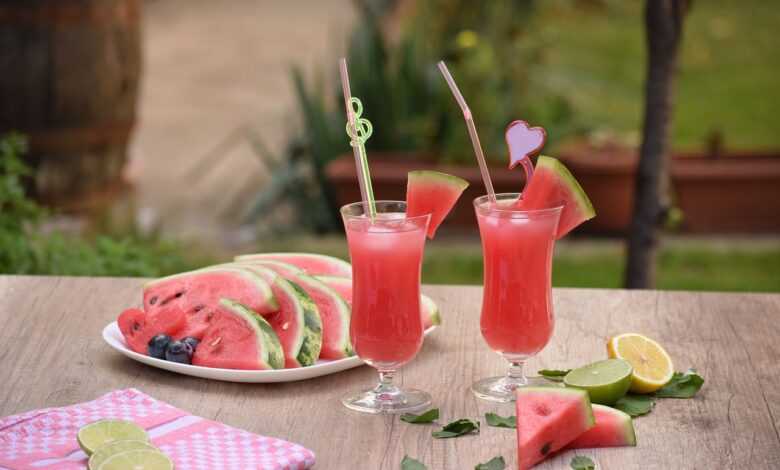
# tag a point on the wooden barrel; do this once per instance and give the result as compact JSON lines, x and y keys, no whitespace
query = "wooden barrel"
{"x":69,"y":73}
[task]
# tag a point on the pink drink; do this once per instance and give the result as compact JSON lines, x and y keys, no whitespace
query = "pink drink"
{"x":386,"y":326}
{"x":517,"y":318}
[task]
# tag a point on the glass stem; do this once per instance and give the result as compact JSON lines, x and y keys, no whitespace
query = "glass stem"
{"x":386,"y":382}
{"x":516,"y":372}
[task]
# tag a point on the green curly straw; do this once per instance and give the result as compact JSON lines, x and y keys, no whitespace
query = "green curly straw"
{"x":359,"y":130}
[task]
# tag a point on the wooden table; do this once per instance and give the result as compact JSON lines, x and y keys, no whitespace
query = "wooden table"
{"x":52,"y":354}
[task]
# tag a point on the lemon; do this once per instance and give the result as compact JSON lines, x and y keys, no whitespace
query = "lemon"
{"x":95,"y":435}
{"x":652,"y":365}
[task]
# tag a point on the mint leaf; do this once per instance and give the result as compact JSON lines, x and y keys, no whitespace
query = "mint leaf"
{"x":635,"y":405}
{"x":427,"y":417}
{"x":409,"y":463}
{"x":501,"y":422}
{"x":457,"y":428}
{"x":682,"y":385}
{"x":581,"y":462}
{"x":496,"y":463}
{"x":553,"y":374}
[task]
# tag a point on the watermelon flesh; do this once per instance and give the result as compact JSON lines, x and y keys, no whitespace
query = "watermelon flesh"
{"x":192,"y":293}
{"x":553,"y":185}
{"x":432,"y":192}
{"x":312,"y":264}
{"x":613,"y":428}
{"x":238,"y":338}
{"x":343,"y":286}
{"x":297,"y":323}
{"x":334,"y":311}
{"x":548,"y":419}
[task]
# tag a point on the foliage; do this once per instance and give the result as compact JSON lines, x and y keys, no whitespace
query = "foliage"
{"x":26,"y":248}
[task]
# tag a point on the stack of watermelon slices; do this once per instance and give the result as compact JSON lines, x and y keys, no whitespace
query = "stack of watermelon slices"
{"x":551,"y":419}
{"x":244,"y":312}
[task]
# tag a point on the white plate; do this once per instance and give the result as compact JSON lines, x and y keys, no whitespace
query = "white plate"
{"x":114,"y":338}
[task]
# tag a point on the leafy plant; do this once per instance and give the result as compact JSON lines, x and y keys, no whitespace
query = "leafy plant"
{"x":26,"y":248}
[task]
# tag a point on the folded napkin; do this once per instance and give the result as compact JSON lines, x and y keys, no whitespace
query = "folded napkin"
{"x":46,"y":439}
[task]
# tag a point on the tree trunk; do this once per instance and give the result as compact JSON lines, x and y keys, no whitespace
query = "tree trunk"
{"x":664,"y":25}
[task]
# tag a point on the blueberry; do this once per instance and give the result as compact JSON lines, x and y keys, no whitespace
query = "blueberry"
{"x":180,"y":352}
{"x":158,"y":345}
{"x":193,"y":342}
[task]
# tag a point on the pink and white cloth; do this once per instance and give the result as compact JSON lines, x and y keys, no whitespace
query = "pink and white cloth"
{"x":46,"y":439}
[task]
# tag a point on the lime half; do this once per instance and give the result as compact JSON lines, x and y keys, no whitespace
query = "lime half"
{"x":140,"y":459}
{"x":605,"y":381}
{"x":95,"y":435}
{"x":104,"y":452}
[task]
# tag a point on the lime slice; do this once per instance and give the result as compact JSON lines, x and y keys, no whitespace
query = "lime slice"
{"x":605,"y":381}
{"x":104,"y":452}
{"x":95,"y":435}
{"x":140,"y":459}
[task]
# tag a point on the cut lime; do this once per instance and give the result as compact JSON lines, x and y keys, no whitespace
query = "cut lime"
{"x":104,"y":452}
{"x":605,"y":381}
{"x":140,"y":459}
{"x":95,"y":435}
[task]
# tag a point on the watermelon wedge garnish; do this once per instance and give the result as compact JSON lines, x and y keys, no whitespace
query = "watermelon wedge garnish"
{"x":613,"y":428}
{"x":548,"y":419}
{"x":432,"y":192}
{"x":553,"y":185}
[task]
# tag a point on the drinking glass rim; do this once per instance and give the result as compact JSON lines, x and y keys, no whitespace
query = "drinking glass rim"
{"x":346,"y":207}
{"x":492,"y":211}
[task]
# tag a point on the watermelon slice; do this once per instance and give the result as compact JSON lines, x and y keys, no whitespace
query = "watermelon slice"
{"x":343,"y":285}
{"x":552,"y":185}
{"x":432,"y":192}
{"x":613,"y":429}
{"x":297,"y":323}
{"x":549,"y":418}
{"x":193,"y":293}
{"x":334,"y":311}
{"x":313,"y":264}
{"x":238,"y":338}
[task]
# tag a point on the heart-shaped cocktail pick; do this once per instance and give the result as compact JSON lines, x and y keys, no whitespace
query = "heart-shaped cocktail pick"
{"x":523,"y":142}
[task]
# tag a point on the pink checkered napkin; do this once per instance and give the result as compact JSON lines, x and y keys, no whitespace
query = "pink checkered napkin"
{"x":46,"y":439}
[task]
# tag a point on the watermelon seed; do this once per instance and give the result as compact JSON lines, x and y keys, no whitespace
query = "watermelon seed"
{"x":546,"y":448}
{"x":285,"y":325}
{"x":136,"y":326}
{"x":198,"y":308}
{"x":216,"y":342}
{"x":153,"y":300}
{"x":542,"y":410}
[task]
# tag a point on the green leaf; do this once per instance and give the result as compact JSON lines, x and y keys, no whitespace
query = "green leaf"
{"x":635,"y":405}
{"x":409,"y":463}
{"x":682,"y":385}
{"x":497,"y":421}
{"x":581,"y":462}
{"x":457,"y":428}
{"x":427,"y":417}
{"x":554,"y":374}
{"x":496,"y":463}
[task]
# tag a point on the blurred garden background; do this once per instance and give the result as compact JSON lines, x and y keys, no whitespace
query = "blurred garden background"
{"x":142,"y":138}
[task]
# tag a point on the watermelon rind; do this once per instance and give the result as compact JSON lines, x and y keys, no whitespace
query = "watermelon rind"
{"x":342,"y":341}
{"x":439,"y":177}
{"x":307,"y":345}
{"x":626,"y":435}
{"x":585,"y":207}
{"x":429,"y":310}
{"x":336,"y":266}
{"x":263,"y":288}
{"x":268,"y":345}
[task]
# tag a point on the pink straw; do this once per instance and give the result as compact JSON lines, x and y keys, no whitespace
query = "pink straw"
{"x":472,"y":131}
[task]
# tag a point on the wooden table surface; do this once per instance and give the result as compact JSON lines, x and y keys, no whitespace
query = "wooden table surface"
{"x":52,"y":354}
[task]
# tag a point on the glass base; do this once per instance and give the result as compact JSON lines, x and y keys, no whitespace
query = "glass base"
{"x":387,"y":401}
{"x":502,"y":389}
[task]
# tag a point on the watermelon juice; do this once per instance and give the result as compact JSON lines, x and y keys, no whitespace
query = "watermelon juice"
{"x":386,"y":326}
{"x":517,"y":318}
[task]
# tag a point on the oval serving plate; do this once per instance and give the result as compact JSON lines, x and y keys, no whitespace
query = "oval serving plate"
{"x":114,"y":338}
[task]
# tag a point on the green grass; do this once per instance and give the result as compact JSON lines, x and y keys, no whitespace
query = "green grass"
{"x":728,"y":69}
{"x":683,"y":265}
